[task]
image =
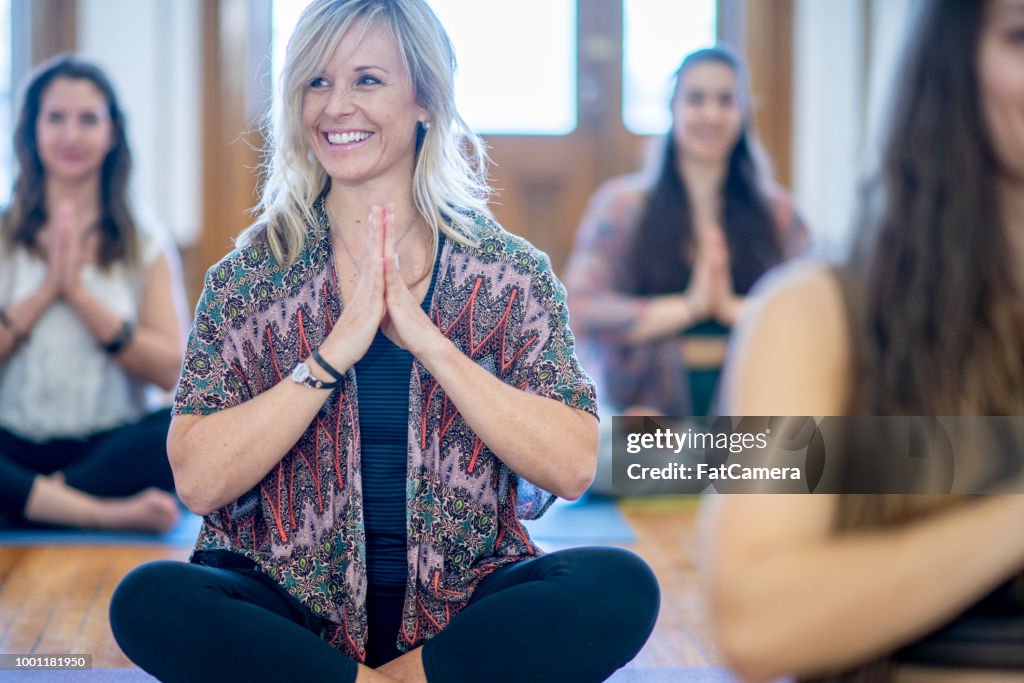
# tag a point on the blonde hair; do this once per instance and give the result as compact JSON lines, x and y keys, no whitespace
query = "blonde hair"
{"x":450,"y":173}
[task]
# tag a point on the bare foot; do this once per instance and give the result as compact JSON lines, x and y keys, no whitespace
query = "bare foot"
{"x":151,"y":510}
{"x":408,"y":668}
{"x":367,"y":675}
{"x":51,"y":501}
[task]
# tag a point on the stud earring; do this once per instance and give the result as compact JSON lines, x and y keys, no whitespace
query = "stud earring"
{"x":425,"y":124}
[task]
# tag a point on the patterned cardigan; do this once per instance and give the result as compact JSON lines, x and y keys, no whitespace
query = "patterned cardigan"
{"x":302,"y":525}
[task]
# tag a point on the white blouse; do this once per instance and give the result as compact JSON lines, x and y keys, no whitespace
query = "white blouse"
{"x":61,"y":383}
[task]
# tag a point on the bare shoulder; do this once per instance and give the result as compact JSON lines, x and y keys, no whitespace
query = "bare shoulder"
{"x":800,"y":293}
{"x":791,"y":352}
{"x":790,"y":356}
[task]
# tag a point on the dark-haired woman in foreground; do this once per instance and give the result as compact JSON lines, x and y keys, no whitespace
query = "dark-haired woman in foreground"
{"x":661,"y":267}
{"x":927,"y":319}
{"x":89,"y":317}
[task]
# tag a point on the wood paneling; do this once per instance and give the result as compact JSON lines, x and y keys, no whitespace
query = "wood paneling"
{"x":769,"y":52}
{"x":54,"y":23}
{"x":234,"y":96}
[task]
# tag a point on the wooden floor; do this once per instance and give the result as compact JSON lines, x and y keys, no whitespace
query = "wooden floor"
{"x":666,"y":539}
{"x":53,"y":600}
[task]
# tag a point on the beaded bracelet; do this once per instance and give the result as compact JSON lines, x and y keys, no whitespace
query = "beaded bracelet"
{"x":124,"y":335}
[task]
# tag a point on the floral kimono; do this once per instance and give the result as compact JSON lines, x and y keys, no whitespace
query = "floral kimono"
{"x":302,"y":525}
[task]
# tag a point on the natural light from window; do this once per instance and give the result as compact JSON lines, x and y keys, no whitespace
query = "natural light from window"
{"x":516,"y":61}
{"x":656,"y":37}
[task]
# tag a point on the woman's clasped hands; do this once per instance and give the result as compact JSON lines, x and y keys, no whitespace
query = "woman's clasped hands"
{"x":68,"y":246}
{"x":381,"y":299}
{"x":710,"y":294}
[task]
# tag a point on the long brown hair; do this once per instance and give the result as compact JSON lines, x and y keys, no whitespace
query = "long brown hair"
{"x":665,"y":232}
{"x":26,"y":215}
{"x":943,"y":316}
{"x":938,"y":320}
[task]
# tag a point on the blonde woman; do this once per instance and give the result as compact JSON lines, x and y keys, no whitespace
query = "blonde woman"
{"x":379,"y":385}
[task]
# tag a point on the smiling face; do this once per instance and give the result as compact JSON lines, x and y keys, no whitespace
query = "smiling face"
{"x":360,"y":113}
{"x":73,"y":129}
{"x":706,"y":114}
{"x":1001,"y":78}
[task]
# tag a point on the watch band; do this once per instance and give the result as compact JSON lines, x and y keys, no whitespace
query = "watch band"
{"x":121,"y":339}
{"x":302,"y":375}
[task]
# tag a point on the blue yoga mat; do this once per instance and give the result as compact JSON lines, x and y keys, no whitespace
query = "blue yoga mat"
{"x":589,"y":520}
{"x":183,"y":534}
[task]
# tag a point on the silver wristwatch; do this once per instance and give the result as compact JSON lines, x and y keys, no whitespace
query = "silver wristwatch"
{"x":302,"y":375}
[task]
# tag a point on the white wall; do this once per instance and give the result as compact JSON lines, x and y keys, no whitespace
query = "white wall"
{"x":827,"y":113}
{"x":150,"y":49}
{"x":845,"y":56}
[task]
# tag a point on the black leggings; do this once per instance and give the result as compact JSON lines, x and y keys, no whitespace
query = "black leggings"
{"x":573,"y":615}
{"x":117,"y":462}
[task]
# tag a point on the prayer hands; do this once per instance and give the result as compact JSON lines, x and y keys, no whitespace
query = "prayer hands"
{"x":380,"y":300}
{"x":69,"y":246}
{"x":355,"y":329}
{"x":711,"y":293}
{"x":404,"y":322}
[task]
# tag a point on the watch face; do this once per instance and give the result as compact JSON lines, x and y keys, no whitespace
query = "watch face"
{"x":300,"y":373}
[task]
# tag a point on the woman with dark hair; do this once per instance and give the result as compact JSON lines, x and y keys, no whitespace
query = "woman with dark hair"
{"x":661,"y":266}
{"x":926,"y":319}
{"x":89,"y":318}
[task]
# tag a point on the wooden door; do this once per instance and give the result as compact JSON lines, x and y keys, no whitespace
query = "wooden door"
{"x":544,"y":182}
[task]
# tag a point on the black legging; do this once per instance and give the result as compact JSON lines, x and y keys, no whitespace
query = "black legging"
{"x":117,"y":462}
{"x":573,"y":615}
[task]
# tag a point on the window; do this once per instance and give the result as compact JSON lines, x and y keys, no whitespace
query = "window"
{"x":519,"y":80}
{"x":656,"y":37}
{"x":285,"y":16}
